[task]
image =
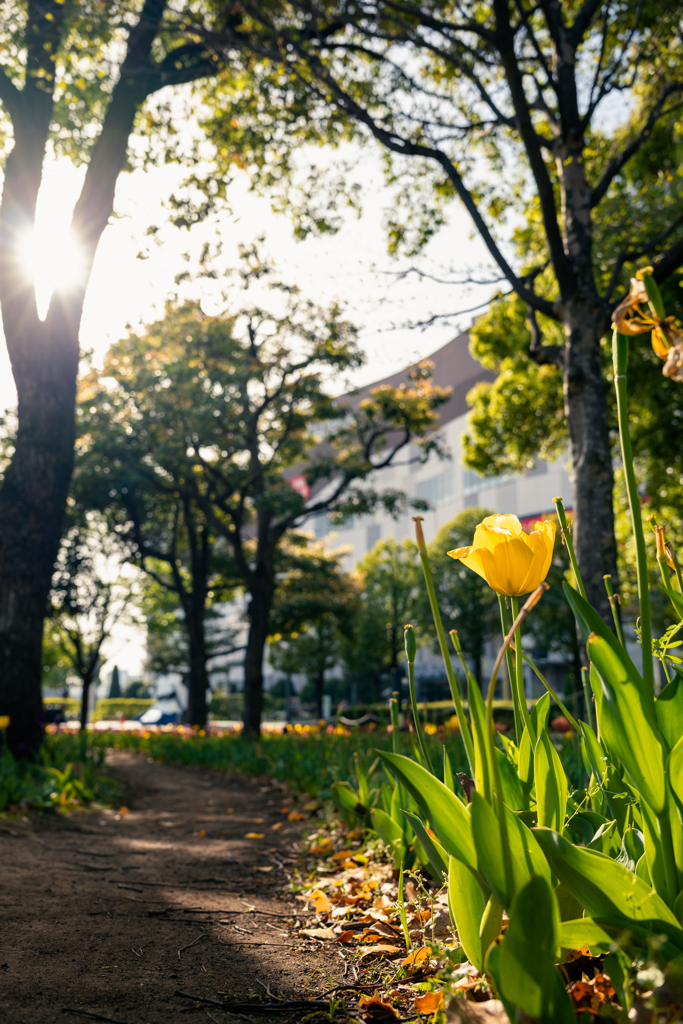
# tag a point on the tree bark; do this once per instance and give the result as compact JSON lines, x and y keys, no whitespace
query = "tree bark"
{"x":44,"y":358}
{"x":593,"y":478}
{"x":259,"y":613}
{"x":319,"y":687}
{"x":198,"y":678}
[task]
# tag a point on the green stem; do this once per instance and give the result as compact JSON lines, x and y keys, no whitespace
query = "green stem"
{"x":612,"y":597}
{"x":402,"y":912}
{"x":570,"y":718}
{"x":588,"y":697}
{"x":567,"y":538}
{"x":519,"y":725}
{"x":498,"y":788}
{"x":519,"y":675}
{"x":416,"y":718}
{"x":670,"y":876}
{"x":620,"y":354}
{"x":436,"y":615}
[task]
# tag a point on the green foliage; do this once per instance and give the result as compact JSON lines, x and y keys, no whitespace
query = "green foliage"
{"x":67,"y":774}
{"x":388,"y":585}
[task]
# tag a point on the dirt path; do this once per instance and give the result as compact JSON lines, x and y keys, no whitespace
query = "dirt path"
{"x":87,"y":924}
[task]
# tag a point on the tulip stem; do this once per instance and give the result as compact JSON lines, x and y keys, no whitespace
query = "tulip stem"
{"x":620,"y":356}
{"x":519,"y":674}
{"x":565,"y":532}
{"x":436,"y":615}
{"x":519,"y":723}
{"x":416,"y":718}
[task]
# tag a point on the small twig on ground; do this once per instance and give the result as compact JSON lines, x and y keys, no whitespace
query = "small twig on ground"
{"x":135,"y":951}
{"x":266,"y":987}
{"x":120,"y":885}
{"x":237,"y":928}
{"x":273,"y":928}
{"x":194,"y":941}
{"x":94,"y":1016}
{"x":285,"y":1005}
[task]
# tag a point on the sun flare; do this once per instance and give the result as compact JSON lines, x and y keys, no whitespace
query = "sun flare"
{"x":54,"y":262}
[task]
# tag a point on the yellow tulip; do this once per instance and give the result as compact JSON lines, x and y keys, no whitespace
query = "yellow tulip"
{"x":4,"y":721}
{"x":511,"y":561}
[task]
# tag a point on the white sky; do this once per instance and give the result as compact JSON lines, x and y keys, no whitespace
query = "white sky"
{"x":351,"y":266}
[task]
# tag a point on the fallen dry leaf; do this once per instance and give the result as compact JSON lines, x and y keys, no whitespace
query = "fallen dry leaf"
{"x":320,"y":902}
{"x":200,"y":835}
{"x":343,"y":854}
{"x":462,"y":1011}
{"x":430,"y":1002}
{"x":268,"y":868}
{"x":416,"y":956}
{"x":278,"y":824}
{"x":252,"y":835}
{"x":295,"y":816}
{"x":123,"y":810}
{"x":379,"y":949}
{"x":346,"y":936}
{"x":318,"y":933}
{"x":257,"y":821}
{"x":229,"y":810}
{"x":375,"y":1008}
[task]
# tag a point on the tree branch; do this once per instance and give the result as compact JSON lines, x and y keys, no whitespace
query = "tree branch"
{"x":598,"y":193}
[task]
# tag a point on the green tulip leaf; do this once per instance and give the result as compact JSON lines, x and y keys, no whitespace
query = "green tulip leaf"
{"x":484,"y":771}
{"x":438,"y":858}
{"x":466,"y":902}
{"x":390,"y":833}
{"x":628,"y":724}
{"x":527,"y":973}
{"x":585,"y":932}
{"x":551,"y":784}
{"x":526,"y":857}
{"x":447,"y":814}
{"x":610,"y":893}
{"x":513,"y":794}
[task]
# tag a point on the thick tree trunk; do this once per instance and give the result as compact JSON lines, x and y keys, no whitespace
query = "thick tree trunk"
{"x":32,"y":503}
{"x":198,"y":678}
{"x":593,"y":478}
{"x":87,"y":683}
{"x":259,"y":614}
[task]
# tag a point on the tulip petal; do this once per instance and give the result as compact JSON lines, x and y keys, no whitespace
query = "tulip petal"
{"x":541,"y":542}
{"x":506,"y":568}
{"x":471,"y":557}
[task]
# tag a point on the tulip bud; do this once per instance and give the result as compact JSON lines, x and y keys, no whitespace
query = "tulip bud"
{"x":419,"y":534}
{"x":654,"y":296}
{"x":453,"y":634}
{"x":411,"y":644}
{"x":670,"y":556}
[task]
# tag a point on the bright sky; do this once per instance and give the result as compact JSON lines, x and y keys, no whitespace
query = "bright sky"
{"x":351,"y":266}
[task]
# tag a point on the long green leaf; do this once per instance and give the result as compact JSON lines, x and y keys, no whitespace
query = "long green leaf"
{"x":513,"y":794}
{"x":448,"y":816}
{"x":669,"y":711}
{"x":466,"y":901}
{"x":527,"y":972}
{"x":585,"y":932}
{"x":610,"y":894}
{"x":591,"y":622}
{"x":390,"y":833}
{"x":438,"y":858}
{"x":525,"y":855}
{"x":551,"y":784}
{"x":628,"y":724}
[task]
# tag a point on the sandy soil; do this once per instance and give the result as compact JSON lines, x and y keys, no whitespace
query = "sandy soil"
{"x":96,"y":908}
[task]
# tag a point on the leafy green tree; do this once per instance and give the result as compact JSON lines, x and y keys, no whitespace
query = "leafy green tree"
{"x":466,"y":601}
{"x":74,"y":77}
{"x":227,"y":414}
{"x":91,"y":592}
{"x":389,"y":586}
{"x":314,"y":610}
{"x":502,"y":106}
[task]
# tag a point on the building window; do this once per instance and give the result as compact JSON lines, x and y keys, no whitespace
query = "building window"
{"x":437,"y":490}
{"x":372,"y":535}
{"x":321,"y":525}
{"x":473,"y":482}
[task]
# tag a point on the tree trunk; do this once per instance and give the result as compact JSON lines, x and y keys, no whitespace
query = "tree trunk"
{"x":319,"y":687}
{"x":87,"y":683}
{"x":198,"y":678}
{"x":32,"y":503}
{"x":593,"y":478}
{"x":259,"y":614}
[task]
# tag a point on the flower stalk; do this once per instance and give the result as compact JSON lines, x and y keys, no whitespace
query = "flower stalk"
{"x":620,"y":359}
{"x":443,"y":646}
{"x":411,"y":650}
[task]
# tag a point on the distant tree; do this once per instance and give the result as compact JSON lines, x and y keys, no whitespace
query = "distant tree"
{"x":389,"y":581}
{"x":503,"y":107}
{"x":466,"y":601}
{"x":314,"y":610}
{"x":115,"y":685}
{"x":91,"y":592}
{"x":73,"y":79}
{"x":227,"y":415}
